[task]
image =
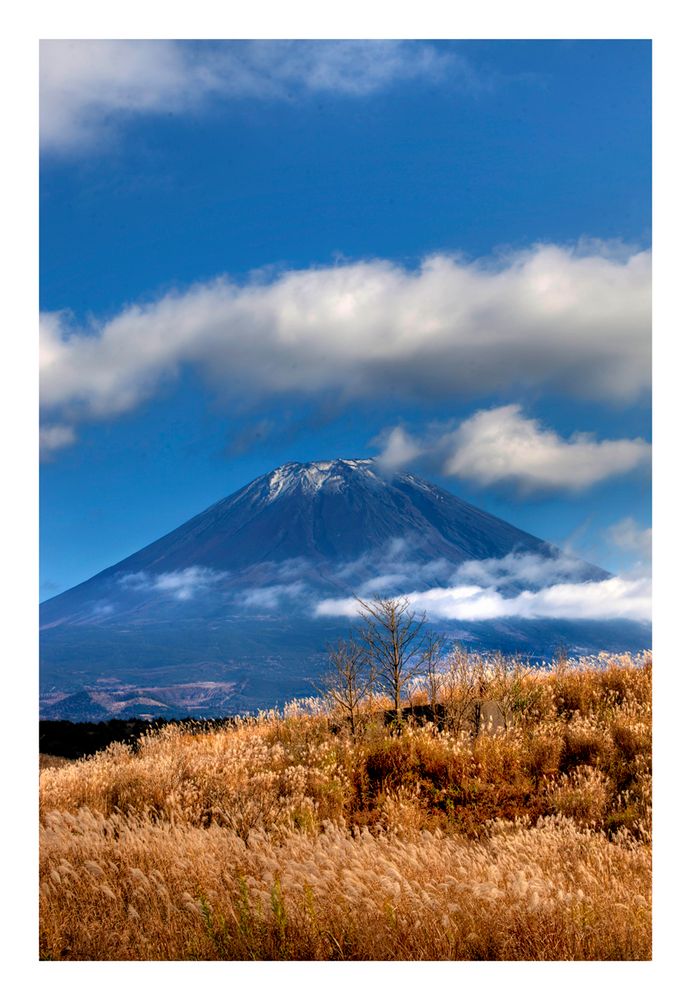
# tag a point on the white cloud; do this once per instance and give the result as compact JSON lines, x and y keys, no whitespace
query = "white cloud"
{"x":615,"y":597}
{"x":394,"y":568}
{"x":529,"y":585}
{"x":529,"y":569}
{"x":182,"y":584}
{"x":501,"y":446}
{"x":399,"y":450}
{"x":87,"y":86}
{"x":52,"y":437}
{"x":631,"y":538}
{"x":270,"y":598}
{"x":354,"y":67}
{"x":396,"y":565}
{"x":102,"y":609}
{"x":383,"y":582}
{"x":550,"y":317}
{"x":84,"y":84}
{"x":628,"y":535}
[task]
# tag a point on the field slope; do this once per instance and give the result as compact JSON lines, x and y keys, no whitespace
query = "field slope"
{"x":289,"y":837}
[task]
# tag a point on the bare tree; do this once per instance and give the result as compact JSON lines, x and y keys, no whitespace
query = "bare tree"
{"x":392,"y":640}
{"x":346,"y":684}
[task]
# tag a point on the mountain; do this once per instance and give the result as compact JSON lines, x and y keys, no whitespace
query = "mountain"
{"x":227,"y":612}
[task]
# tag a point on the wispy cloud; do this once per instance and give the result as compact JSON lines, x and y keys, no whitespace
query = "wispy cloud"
{"x":395,"y":566}
{"x":548,"y":317}
{"x":399,"y":449}
{"x":270,"y":598}
{"x":182,"y":584}
{"x":615,"y":597}
{"x":90,"y":87}
{"x":637,"y":542}
{"x":524,"y":569}
{"x":501,"y":446}
{"x":242,"y":441}
{"x":53,"y":437}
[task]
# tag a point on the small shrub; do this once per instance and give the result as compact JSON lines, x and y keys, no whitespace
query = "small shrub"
{"x":583,"y":795}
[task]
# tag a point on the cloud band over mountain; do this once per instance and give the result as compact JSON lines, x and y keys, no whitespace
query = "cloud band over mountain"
{"x":613,"y":598}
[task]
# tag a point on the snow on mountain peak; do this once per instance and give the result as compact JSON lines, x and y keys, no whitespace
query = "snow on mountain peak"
{"x":310,"y":477}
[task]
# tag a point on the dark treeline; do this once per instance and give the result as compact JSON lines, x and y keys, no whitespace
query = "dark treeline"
{"x":61,"y":738}
{"x":80,"y":739}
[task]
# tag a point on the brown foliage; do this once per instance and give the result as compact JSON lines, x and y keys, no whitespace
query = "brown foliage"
{"x":289,"y":837}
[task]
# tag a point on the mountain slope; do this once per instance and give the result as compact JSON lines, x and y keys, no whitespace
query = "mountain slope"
{"x":219,"y":614}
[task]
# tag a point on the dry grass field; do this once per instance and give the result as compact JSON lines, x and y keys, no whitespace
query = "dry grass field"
{"x":289,"y":836}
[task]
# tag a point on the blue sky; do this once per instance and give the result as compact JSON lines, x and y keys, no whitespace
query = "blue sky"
{"x":437,"y":253}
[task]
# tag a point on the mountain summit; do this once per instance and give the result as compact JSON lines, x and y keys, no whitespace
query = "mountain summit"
{"x":222,"y":613}
{"x":329,"y":511}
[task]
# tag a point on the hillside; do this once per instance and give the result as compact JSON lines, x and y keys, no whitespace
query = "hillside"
{"x":288,"y":836}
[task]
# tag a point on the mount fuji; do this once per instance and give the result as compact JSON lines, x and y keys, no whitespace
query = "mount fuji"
{"x":226,"y":613}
